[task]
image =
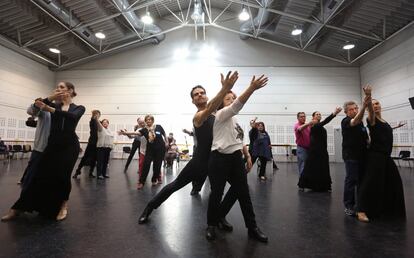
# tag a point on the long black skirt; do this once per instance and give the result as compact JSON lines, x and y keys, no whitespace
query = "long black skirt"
{"x":316,"y":175}
{"x":381,"y":193}
{"x":51,"y":184}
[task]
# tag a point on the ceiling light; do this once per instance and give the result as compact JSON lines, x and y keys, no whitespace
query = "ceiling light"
{"x":244,"y":15}
{"x":296,"y":32}
{"x":147,"y":19}
{"x":54,"y":50}
{"x":348,"y":46}
{"x":100,"y":35}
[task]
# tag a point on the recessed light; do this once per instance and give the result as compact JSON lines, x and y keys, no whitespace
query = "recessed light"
{"x":147,"y":19}
{"x":296,"y":32}
{"x":54,"y":50}
{"x":348,"y":46}
{"x":100,"y":35}
{"x":244,"y":15}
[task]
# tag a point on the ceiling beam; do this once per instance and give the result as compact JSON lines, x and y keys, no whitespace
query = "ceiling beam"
{"x":117,"y":48}
{"x":381,"y":43}
{"x":64,"y":25}
{"x":279,"y":43}
{"x":305,"y":19}
{"x":25,"y":51}
{"x":325,"y":21}
{"x":126,"y":18}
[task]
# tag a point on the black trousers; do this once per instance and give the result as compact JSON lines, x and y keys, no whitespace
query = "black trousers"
{"x":224,"y":168}
{"x":194,"y":169}
{"x":199,"y":179}
{"x":135,"y":146}
{"x":263,"y":163}
{"x":103,"y":159}
{"x":156,"y":156}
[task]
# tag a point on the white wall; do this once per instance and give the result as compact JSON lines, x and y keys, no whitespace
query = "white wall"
{"x":151,"y":80}
{"x":21,"y":81}
{"x":391,"y":73}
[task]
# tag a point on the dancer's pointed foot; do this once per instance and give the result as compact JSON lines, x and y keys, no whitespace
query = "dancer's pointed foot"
{"x":12,"y":214}
{"x":145,"y":215}
{"x":63,"y":213}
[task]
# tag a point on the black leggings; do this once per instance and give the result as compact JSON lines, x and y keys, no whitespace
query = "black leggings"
{"x":135,"y":146}
{"x":194,"y":169}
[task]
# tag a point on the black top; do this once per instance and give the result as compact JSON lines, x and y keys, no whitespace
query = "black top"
{"x":93,"y":131}
{"x":64,"y":122}
{"x":318,"y":135}
{"x":381,"y":137}
{"x":158,"y":143}
{"x":354,"y":140}
{"x":204,"y":137}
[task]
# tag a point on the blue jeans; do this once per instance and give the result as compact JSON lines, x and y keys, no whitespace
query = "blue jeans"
{"x":354,"y":170}
{"x":302,"y":155}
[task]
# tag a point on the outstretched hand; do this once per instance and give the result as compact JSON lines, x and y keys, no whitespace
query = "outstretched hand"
{"x":367,"y":90}
{"x":337,"y":110}
{"x":230,"y":79}
{"x":259,"y":82}
{"x":253,"y":122}
{"x":400,"y":124}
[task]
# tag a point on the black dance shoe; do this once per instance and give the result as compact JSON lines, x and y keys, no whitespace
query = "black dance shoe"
{"x":257,"y":234}
{"x":211,"y":233}
{"x":105,"y":176}
{"x":91,"y":175}
{"x":145,"y":215}
{"x":223,"y":224}
{"x":194,"y":192}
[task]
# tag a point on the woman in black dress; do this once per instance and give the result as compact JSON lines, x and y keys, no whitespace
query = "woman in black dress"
{"x":49,"y":190}
{"x":316,"y":174}
{"x":381,"y":192}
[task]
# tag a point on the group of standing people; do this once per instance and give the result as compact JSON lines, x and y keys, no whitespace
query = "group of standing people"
{"x":47,"y":184}
{"x":220,"y":154}
{"x":98,"y":149}
{"x":373,"y":186}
